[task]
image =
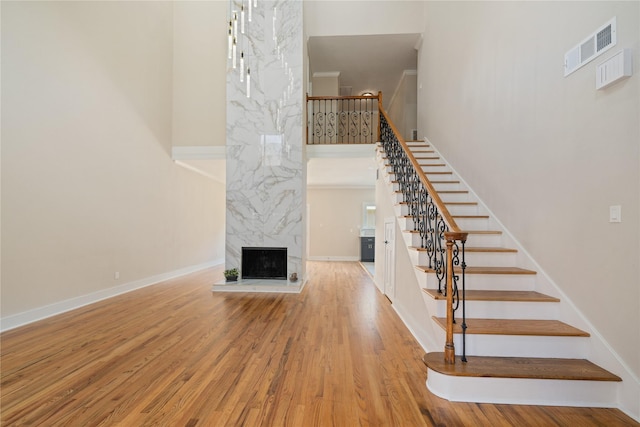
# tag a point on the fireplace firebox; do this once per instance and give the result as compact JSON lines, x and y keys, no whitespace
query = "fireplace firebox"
{"x":264,"y":263}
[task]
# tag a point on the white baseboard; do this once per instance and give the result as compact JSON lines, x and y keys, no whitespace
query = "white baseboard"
{"x":33,"y":315}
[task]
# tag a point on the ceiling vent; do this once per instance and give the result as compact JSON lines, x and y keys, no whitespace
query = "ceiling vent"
{"x":590,"y":48}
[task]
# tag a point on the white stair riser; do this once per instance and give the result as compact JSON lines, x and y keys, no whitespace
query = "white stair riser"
{"x":523,"y":391}
{"x":463,"y":209}
{"x":435,"y":176}
{"x":496,"y":282}
{"x":472,"y":223}
{"x":463,"y":223}
{"x":484,"y":240}
{"x":430,"y":166}
{"x":519,"y":345}
{"x":455,"y":197}
{"x":447,"y":185}
{"x":501,"y":310}
{"x":473,"y":240}
{"x":480,"y":259}
{"x":490,"y":259}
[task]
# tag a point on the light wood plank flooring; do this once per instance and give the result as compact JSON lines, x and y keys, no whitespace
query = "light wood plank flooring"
{"x":176,"y":354}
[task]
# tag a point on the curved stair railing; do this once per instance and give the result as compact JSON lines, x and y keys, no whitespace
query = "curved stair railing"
{"x":440,"y":236}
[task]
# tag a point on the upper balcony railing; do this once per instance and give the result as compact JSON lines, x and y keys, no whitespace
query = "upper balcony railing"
{"x":343,"y":119}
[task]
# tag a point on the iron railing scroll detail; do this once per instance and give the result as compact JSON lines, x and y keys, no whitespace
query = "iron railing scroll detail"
{"x":440,"y":236}
{"x":343,"y":119}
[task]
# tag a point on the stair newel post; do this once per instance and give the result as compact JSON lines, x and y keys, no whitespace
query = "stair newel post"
{"x":449,"y":347}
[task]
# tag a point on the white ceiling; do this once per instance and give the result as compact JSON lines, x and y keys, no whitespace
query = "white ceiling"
{"x":366,"y":63}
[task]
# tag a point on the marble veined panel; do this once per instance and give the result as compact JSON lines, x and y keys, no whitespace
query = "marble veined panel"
{"x":265,"y":167}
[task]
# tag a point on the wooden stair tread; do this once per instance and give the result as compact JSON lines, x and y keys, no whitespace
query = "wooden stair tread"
{"x":464,"y":231}
{"x":461,"y":203}
{"x":436,"y":172}
{"x":472,"y":249}
{"x":483,"y":295}
{"x":453,"y":216}
{"x":453,"y":192}
{"x":520,"y":367}
{"x":551,"y":328}
{"x":432,"y":165}
{"x":417,"y":157}
{"x":482,"y":231}
{"x":444,"y":182}
{"x":483,"y":270}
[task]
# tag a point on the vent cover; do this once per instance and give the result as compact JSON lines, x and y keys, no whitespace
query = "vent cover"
{"x":590,"y":48}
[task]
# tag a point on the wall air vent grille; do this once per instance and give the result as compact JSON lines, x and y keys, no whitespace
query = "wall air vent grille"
{"x":604,"y":38}
{"x":590,"y":48}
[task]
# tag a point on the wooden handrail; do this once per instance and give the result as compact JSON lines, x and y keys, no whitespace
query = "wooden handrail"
{"x":333,"y":98}
{"x":446,"y":216}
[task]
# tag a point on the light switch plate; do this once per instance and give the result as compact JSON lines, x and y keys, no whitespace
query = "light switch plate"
{"x":615,"y":213}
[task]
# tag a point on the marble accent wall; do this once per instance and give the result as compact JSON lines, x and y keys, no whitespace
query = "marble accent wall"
{"x":265,"y":158}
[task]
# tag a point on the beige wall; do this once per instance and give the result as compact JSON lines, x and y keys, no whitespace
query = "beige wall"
{"x":335,"y":218}
{"x":199,"y":73}
{"x":324,"y":84}
{"x":548,"y":154}
{"x":404,"y":104}
{"x":88,"y":186}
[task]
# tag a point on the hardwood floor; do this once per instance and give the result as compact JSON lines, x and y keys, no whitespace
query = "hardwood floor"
{"x":176,"y":354}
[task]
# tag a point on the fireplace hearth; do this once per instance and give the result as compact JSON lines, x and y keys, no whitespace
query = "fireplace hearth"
{"x":264,"y":263}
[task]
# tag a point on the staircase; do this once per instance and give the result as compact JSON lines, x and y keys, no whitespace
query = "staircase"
{"x":517,"y":349}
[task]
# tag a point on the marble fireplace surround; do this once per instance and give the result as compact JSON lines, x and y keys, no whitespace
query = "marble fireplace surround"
{"x":266,"y":182}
